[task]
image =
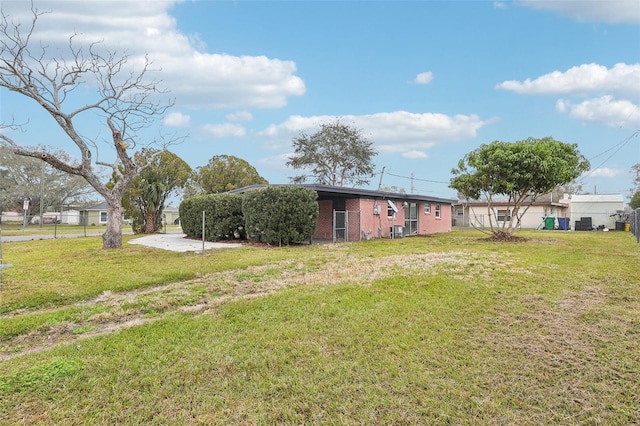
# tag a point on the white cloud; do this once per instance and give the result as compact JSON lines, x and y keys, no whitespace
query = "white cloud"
{"x":224,"y":130}
{"x":176,"y":119}
{"x":240,"y":116}
{"x":499,"y":5}
{"x":582,"y":79}
{"x":606,"y":110}
{"x":605,"y":172}
{"x":276,"y":162}
{"x":397,"y":131}
{"x":414,"y":154}
{"x":424,"y":78}
{"x":197,"y":79}
{"x":610,"y":11}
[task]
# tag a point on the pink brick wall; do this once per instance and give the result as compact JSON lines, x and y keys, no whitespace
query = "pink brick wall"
{"x":373,"y":224}
{"x":324,"y":230}
{"x":354,"y":232}
{"x":429,"y":224}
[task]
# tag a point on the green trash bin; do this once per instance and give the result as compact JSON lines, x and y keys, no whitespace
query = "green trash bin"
{"x":549,"y":222}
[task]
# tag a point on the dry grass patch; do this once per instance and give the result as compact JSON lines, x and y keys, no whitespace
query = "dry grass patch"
{"x":113,"y":311}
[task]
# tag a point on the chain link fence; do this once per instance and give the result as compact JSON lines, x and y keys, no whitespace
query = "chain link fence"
{"x":54,"y":225}
{"x":634,"y":221}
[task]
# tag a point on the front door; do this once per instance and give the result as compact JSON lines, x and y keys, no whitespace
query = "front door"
{"x":411,"y":219}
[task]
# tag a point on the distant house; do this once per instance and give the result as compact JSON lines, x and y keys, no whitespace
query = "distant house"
{"x":11,"y":216}
{"x":602,"y":209}
{"x":96,"y":215}
{"x":70,"y":217}
{"x":352,"y":214}
{"x":171,"y":215}
{"x":476,"y":214}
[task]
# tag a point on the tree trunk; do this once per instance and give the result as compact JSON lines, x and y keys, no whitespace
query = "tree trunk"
{"x":150,"y":222}
{"x":112,"y":238}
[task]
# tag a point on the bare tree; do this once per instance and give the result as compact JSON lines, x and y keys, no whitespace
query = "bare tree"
{"x":27,"y":177}
{"x":124,"y":100}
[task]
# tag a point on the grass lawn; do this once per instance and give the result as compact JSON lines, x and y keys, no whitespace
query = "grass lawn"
{"x":445,"y":329}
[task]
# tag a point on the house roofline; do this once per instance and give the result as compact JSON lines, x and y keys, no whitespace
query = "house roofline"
{"x":504,"y":204}
{"x":346,"y":191}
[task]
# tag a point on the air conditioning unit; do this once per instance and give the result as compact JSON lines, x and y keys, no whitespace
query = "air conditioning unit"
{"x":396,"y":231}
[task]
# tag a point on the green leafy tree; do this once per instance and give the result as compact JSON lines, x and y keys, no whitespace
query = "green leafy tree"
{"x":165,"y":175}
{"x":224,"y":173}
{"x":336,"y":155}
{"x":635,"y":200}
{"x":635,"y":191}
{"x":521,"y":172}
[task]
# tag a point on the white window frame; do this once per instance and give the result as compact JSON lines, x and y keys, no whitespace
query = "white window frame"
{"x":503,"y":215}
{"x":427,"y":208}
{"x":103,"y":212}
{"x":438,"y":214}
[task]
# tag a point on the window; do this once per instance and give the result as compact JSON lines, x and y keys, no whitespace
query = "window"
{"x":504,"y":216}
{"x":459,"y":212}
{"x":427,"y":208}
{"x":103,"y":217}
{"x":438,"y":210}
{"x":392,"y":209}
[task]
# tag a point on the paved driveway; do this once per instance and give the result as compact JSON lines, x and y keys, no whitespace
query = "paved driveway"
{"x":178,"y":242}
{"x":174,"y":241}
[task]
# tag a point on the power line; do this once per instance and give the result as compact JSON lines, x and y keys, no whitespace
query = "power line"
{"x":420,"y":180}
{"x":619,"y":146}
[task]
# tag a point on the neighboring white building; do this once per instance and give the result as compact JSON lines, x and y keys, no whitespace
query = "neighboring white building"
{"x":601,"y":208}
{"x":11,"y":217}
{"x":476,"y":213}
{"x":70,"y":217}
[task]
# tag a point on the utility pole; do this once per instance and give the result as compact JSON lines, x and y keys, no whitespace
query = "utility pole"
{"x":380,"y":182}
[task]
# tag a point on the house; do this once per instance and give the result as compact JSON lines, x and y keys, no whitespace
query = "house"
{"x":476,"y":214}
{"x":94,"y":215}
{"x":97,"y":215}
{"x":602,"y":209}
{"x":352,"y":214}
{"x":171,"y":215}
{"x":70,"y":217}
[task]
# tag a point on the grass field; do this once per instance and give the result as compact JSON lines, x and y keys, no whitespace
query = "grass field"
{"x":445,"y":329}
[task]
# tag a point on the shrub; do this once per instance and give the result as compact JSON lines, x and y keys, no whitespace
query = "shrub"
{"x":223,"y":217}
{"x":280,"y":214}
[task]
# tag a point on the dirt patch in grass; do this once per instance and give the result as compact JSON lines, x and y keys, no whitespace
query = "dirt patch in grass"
{"x":113,"y":311}
{"x":502,"y":237}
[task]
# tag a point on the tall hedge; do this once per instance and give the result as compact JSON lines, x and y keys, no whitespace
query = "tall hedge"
{"x":223,"y":217}
{"x":280,"y":214}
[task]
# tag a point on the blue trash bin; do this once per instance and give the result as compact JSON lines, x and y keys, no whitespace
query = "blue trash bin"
{"x":563,"y":223}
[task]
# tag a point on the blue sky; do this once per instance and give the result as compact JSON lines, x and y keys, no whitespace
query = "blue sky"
{"x":425,"y":81}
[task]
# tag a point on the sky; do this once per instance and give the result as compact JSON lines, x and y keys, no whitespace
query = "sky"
{"x":425,"y":81}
